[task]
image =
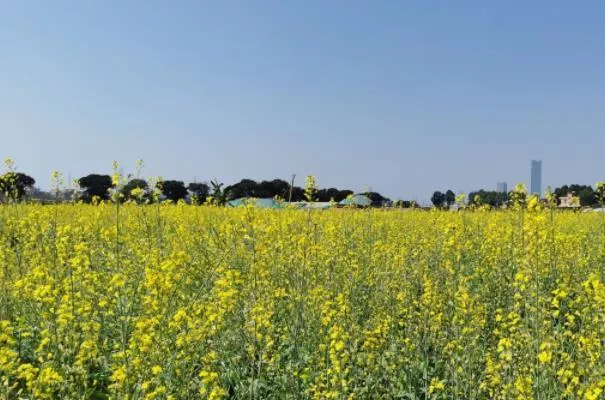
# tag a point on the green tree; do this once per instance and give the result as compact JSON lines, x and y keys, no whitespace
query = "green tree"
{"x":243,"y":188}
{"x":14,"y":185}
{"x":173,"y":190}
{"x":95,"y":185}
{"x":588,"y":197}
{"x":488,"y":197}
{"x":438,"y":199}
{"x":404,"y":204}
{"x":199,"y":191}
{"x":298,"y":193}
{"x":281,"y":188}
{"x":333,"y":193}
{"x":275,"y":187}
{"x":219,"y":196}
{"x":450,"y":198}
{"x":129,"y":189}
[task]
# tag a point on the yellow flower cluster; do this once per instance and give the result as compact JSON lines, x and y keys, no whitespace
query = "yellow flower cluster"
{"x":179,"y":302}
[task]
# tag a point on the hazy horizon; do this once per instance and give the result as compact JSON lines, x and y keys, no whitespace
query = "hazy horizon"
{"x":404,"y":98}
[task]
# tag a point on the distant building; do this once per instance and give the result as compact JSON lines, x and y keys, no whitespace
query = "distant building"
{"x":535,"y":186}
{"x":569,"y":201}
{"x":501,"y":187}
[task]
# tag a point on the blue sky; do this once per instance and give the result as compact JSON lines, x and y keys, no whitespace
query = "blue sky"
{"x":398,"y":96}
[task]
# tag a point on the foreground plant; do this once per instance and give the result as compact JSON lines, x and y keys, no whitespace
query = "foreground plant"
{"x":128,"y":301}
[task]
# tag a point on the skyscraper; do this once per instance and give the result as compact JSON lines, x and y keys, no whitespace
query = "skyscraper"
{"x":536,"y":178}
{"x":501,"y":187}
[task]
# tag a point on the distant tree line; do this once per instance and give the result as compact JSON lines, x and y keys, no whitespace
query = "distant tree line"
{"x":282,"y":189}
{"x":14,"y":186}
{"x":405,"y":204}
{"x":588,"y":196}
{"x":488,"y":197}
{"x":98,"y":186}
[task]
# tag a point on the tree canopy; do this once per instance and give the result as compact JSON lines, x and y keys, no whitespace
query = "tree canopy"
{"x":438,"y":199}
{"x":173,"y":190}
{"x":199,"y":191}
{"x":588,"y":197}
{"x":450,"y":198}
{"x":281,"y":188}
{"x":332,"y":194}
{"x":488,"y":197}
{"x":13,"y":185}
{"x":405,"y":204}
{"x":95,"y":185}
{"x":129,"y":189}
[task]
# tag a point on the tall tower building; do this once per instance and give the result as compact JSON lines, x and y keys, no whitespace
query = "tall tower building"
{"x":502,"y":187}
{"x":536,"y":178}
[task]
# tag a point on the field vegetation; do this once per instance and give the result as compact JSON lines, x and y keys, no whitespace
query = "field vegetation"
{"x":161,"y":301}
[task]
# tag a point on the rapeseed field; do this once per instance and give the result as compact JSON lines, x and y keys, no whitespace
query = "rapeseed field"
{"x":185,"y":302}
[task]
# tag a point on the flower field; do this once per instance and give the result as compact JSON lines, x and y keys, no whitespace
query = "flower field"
{"x":184,"y":302}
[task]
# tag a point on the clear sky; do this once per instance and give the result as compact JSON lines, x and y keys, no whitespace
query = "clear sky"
{"x":403,"y":97}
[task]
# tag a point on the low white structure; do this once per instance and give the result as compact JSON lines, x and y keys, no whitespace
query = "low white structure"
{"x":569,"y":201}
